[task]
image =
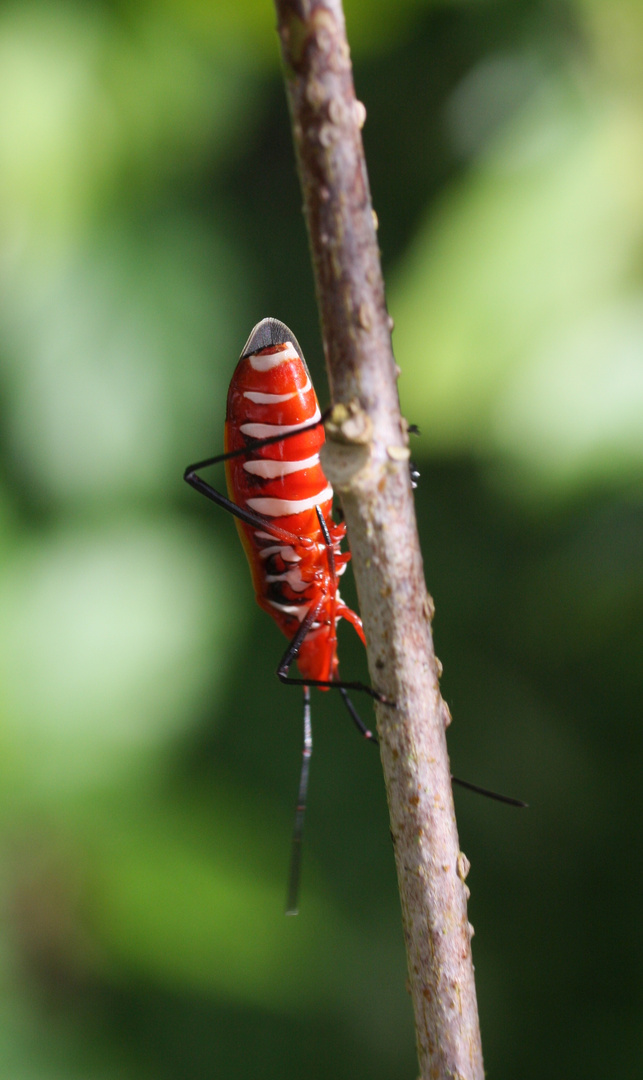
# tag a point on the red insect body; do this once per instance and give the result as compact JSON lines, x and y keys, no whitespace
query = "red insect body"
{"x":271,"y":393}
{"x":282,"y":504}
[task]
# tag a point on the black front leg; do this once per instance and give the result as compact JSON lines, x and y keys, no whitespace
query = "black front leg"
{"x":290,"y":656}
{"x":258,"y":521}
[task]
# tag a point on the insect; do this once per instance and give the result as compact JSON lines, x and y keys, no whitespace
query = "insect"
{"x":282,"y":503}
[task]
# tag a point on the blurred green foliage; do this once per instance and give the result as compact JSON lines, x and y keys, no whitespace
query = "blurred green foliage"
{"x":149,"y":216}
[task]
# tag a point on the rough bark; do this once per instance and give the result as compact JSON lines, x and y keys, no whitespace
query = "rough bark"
{"x":366,"y":460}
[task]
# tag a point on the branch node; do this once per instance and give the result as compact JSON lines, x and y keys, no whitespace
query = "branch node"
{"x":398,"y":453}
{"x":346,"y":454}
{"x":360,"y":113}
{"x":463,"y":866}
{"x":349,"y":424}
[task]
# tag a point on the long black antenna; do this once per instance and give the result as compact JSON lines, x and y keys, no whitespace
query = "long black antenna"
{"x":300,"y":812}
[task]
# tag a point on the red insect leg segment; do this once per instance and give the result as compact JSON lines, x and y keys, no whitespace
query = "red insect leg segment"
{"x":271,"y":394}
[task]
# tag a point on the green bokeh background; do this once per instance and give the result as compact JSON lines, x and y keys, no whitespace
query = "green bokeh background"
{"x":149,"y":216}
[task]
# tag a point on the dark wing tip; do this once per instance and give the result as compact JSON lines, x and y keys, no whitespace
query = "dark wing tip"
{"x":266,"y":333}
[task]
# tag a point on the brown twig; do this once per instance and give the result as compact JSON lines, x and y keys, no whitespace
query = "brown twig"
{"x":366,"y":459}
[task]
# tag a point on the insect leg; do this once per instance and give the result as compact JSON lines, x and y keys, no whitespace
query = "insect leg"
{"x":361,"y":727}
{"x":291,"y":655}
{"x":356,"y":718}
{"x":488,"y":794}
{"x":330,"y":662}
{"x":300,"y":812}
{"x":413,"y":429}
{"x":291,"y":652}
{"x":248,"y":516}
{"x":257,"y":444}
{"x":330,"y":554}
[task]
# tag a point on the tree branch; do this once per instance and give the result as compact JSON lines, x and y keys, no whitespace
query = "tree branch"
{"x":366,"y":460}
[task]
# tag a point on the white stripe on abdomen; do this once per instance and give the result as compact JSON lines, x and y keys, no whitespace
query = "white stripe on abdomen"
{"x":271,"y":470}
{"x":275,"y":399}
{"x":285,"y":507}
{"x":271,"y":360}
{"x":266,"y":431}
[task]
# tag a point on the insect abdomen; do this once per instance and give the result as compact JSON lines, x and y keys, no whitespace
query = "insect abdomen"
{"x":271,"y":394}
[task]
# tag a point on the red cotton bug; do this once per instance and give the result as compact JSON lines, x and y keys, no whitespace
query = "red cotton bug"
{"x":282,"y":502}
